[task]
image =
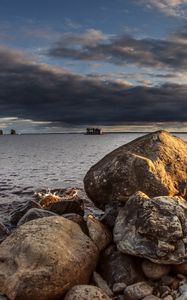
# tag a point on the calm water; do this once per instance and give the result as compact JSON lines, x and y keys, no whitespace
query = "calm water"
{"x":32,"y":162}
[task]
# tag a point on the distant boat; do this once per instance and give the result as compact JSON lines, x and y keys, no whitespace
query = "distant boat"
{"x":93,"y":131}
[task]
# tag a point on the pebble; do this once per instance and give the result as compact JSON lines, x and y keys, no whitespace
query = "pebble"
{"x":138,"y":291}
{"x":151,"y":297}
{"x":154,"y":271}
{"x":119,"y":287}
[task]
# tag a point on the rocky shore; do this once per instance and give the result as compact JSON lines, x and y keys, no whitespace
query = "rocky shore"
{"x":124,"y":237}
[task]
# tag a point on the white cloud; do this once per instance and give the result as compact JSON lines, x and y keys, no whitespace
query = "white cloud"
{"x":168,"y":7}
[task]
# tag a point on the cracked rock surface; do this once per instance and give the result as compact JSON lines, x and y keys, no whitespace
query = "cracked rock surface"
{"x":153,"y":228}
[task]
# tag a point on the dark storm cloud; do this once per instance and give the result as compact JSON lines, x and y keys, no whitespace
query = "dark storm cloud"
{"x":38,"y":92}
{"x":122,"y":50}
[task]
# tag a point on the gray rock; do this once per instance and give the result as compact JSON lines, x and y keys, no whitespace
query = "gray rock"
{"x":153,"y":228}
{"x":154,"y":271}
{"x":119,"y":287}
{"x":42,"y":259}
{"x":35,"y":213}
{"x":182,"y":296}
{"x":101,"y":283}
{"x":116,"y":267}
{"x":183,"y":288}
{"x":21,"y":210}
{"x":98,"y":233}
{"x":154,"y":164}
{"x":138,"y":291}
{"x":87,"y":292}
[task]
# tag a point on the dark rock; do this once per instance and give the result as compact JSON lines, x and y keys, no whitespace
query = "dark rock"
{"x":181,"y":268}
{"x":154,"y":164}
{"x":116,"y":267}
{"x":101,"y":283}
{"x":42,"y":259}
{"x":154,"y":271}
{"x":35,"y":213}
{"x":21,"y":210}
{"x":98,"y":233}
{"x":167,"y":280}
{"x":66,"y":207}
{"x":153,"y":228}
{"x":110,"y":216}
{"x":86,"y":292}
{"x":138,"y":291}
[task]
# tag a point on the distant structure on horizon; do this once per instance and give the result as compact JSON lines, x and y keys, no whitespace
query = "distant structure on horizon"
{"x":12,"y":131}
{"x":93,"y":131}
{"x":1,"y":132}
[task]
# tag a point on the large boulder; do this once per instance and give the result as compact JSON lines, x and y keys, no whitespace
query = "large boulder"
{"x":44,"y":258}
{"x":154,"y":164}
{"x":153,"y":228}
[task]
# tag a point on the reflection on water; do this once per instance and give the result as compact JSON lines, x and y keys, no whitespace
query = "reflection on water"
{"x":32,"y":162}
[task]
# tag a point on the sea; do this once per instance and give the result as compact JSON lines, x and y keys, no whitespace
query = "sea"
{"x":30,"y":163}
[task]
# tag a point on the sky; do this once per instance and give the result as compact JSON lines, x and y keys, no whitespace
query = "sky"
{"x":117,"y":64}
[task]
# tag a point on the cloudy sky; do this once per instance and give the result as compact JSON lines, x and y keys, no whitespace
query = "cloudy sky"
{"x":119,"y":64}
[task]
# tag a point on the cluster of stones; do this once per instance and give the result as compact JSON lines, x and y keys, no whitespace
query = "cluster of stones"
{"x":133,"y":247}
